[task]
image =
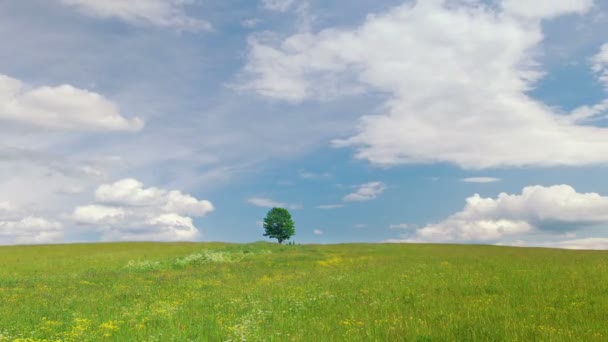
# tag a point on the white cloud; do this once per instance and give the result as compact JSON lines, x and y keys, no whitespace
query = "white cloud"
{"x":278,"y":5}
{"x":281,"y":75}
{"x":130,"y":212}
{"x":401,"y":226}
{"x":265,"y":202}
{"x":166,"y":227}
{"x":185,"y":204}
{"x":586,"y":243}
{"x":63,"y":108}
{"x":30,"y":230}
{"x":6,"y":208}
{"x":480,"y":180}
{"x":431,"y":58}
{"x":318,"y":232}
{"x":330,"y":206}
{"x":546,"y":9}
{"x":590,"y":243}
{"x":589,"y":113}
{"x":456,"y":229}
{"x":161,"y":13}
{"x":600,"y":65}
{"x":175,"y":227}
{"x":91,"y":171}
{"x":366,"y":192}
{"x":98,"y":215}
{"x":579,"y":244}
{"x":20,"y":227}
{"x":301,"y":8}
{"x":269,"y":203}
{"x":551,"y":209}
{"x":129,"y":192}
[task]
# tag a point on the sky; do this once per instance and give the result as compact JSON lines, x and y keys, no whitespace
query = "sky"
{"x":429,"y":121}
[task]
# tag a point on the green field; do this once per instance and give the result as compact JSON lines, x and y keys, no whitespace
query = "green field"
{"x":268,"y":292}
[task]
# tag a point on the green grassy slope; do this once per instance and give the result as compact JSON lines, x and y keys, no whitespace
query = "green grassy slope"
{"x":261,"y":291}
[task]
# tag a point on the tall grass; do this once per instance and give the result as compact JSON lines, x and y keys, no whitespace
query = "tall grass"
{"x":267,"y":292}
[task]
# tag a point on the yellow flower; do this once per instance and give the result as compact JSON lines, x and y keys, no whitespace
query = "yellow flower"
{"x":110,"y":325}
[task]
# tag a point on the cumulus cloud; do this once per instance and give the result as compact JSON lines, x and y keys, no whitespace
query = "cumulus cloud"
{"x":366,"y":192}
{"x":269,"y":203}
{"x":318,"y":232}
{"x":128,"y":211}
{"x":480,"y":180}
{"x":30,"y":230}
{"x":98,"y":214}
{"x":131,"y":192}
{"x":447,"y":102}
{"x":166,"y":227}
{"x":185,"y":204}
{"x":63,"y":108}
{"x":161,"y":13}
{"x":16,"y":227}
{"x":128,"y":192}
{"x":456,"y":229}
{"x":554,"y":209}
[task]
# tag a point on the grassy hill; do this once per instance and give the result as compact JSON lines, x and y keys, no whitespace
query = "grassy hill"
{"x":262,"y":291}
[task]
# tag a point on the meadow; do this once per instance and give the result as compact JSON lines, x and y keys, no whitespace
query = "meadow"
{"x":270,"y":292}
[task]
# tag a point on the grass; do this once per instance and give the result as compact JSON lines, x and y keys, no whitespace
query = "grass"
{"x":267,"y":292}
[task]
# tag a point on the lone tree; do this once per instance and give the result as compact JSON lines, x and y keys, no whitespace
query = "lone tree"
{"x":279,"y":225}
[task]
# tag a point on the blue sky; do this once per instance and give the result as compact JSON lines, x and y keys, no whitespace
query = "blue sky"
{"x":448,"y":121}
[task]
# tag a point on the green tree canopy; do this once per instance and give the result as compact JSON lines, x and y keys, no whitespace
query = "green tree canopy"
{"x":279,"y":225}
